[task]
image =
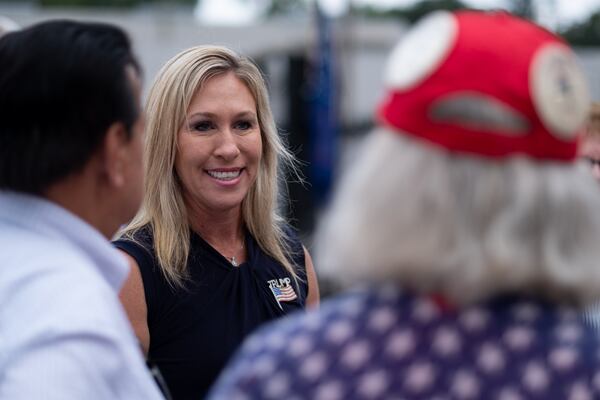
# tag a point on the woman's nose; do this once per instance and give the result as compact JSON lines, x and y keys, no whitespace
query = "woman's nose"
{"x":228,"y":146}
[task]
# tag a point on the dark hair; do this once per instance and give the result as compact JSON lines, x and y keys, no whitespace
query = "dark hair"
{"x":62,"y":84}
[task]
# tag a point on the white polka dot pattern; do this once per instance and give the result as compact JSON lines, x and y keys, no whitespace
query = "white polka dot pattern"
{"x":385,"y":344}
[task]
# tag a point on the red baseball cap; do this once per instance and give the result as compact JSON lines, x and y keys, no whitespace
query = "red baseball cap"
{"x":486,"y":83}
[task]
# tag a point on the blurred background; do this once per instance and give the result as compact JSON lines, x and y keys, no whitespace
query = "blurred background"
{"x":323,"y":60}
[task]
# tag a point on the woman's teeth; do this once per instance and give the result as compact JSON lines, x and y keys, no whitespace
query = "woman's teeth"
{"x":224,"y":176}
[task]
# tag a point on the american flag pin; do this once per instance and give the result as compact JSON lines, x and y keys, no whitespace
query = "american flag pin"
{"x":282,"y":290}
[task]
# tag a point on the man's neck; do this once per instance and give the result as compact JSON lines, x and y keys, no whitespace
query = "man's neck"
{"x":84,"y":198}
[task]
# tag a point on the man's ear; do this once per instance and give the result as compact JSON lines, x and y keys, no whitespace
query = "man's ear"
{"x":114,"y":152}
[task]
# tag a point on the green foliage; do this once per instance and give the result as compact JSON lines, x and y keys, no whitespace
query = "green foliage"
{"x":586,"y":33}
{"x":279,"y":7}
{"x":88,"y":3}
{"x":523,"y":8}
{"x":414,"y":12}
{"x":107,"y":3}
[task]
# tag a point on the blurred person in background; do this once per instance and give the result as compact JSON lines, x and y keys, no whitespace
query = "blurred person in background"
{"x":469,"y":223}
{"x":589,"y":151}
{"x":70,"y":174}
{"x":212,"y":258}
{"x":589,"y":148}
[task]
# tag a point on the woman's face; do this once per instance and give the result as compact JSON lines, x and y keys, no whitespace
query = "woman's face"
{"x":219,"y":145}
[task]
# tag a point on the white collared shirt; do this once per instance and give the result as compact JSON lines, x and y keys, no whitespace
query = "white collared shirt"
{"x":63,"y":332}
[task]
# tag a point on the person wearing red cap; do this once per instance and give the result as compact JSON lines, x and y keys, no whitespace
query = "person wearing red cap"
{"x":470,"y":226}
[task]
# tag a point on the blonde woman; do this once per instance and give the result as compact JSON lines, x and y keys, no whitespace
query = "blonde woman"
{"x":211,"y":257}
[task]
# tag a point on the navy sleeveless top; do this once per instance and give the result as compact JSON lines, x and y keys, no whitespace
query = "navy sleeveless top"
{"x":194,"y":330}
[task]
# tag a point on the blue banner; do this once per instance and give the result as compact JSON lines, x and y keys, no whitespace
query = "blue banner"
{"x":324,"y":110}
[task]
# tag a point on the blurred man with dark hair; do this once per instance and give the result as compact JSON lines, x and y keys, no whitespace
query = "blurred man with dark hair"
{"x":70,"y":175}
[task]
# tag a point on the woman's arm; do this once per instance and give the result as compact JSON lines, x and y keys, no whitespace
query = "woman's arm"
{"x":134,"y":301}
{"x":313,"y":298}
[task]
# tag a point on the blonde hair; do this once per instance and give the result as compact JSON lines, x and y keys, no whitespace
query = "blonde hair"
{"x":593,"y":121}
{"x":463,"y":226}
{"x":163,"y":208}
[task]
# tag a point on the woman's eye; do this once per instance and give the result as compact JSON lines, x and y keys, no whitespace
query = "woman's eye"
{"x":202,"y":126}
{"x":243,"y":125}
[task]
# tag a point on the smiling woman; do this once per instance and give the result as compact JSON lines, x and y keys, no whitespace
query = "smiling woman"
{"x":220,"y":148}
{"x":211,"y":257}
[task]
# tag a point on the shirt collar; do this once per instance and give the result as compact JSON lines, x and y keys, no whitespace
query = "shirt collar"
{"x":46,"y":217}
